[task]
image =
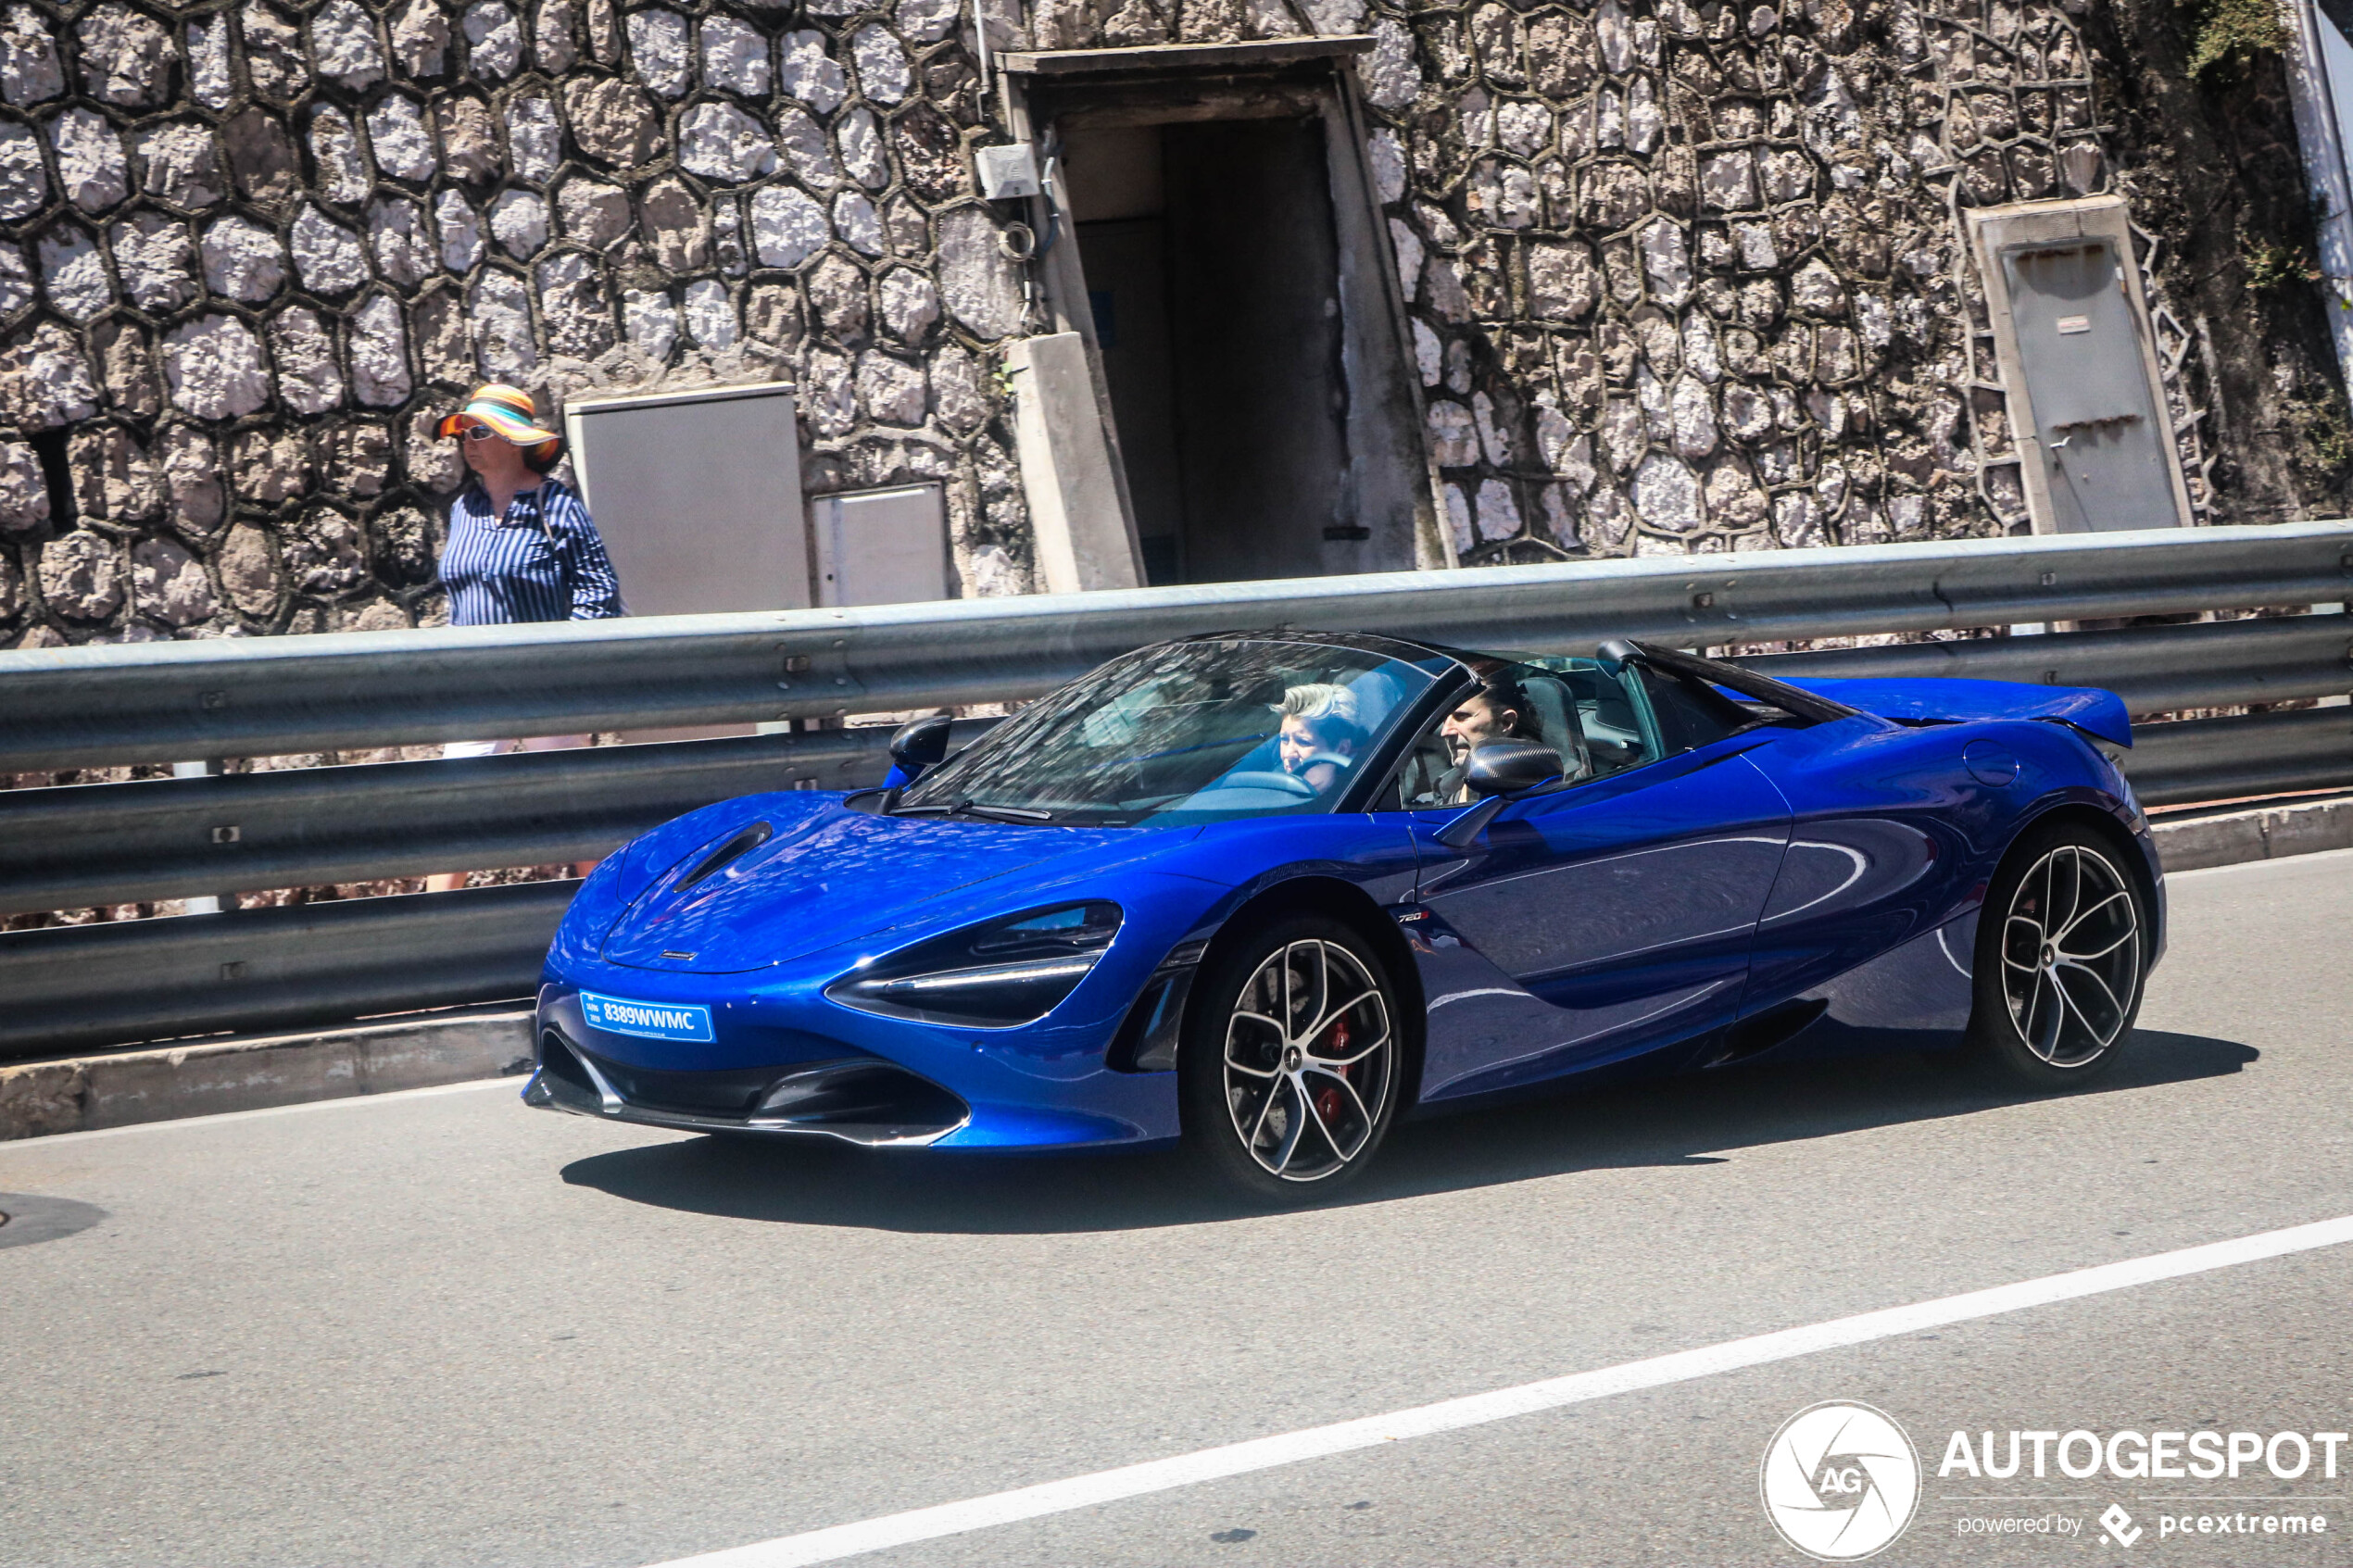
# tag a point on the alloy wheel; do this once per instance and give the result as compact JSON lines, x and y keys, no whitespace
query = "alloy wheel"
{"x":2071,"y":956}
{"x":1309,"y":1060}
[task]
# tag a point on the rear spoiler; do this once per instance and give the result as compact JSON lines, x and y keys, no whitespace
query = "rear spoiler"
{"x":1926,"y":701}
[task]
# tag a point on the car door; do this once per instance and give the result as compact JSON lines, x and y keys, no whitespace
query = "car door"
{"x":1607,"y":917}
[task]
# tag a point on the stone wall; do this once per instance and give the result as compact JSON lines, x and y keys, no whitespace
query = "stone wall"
{"x":249,"y":254}
{"x":1679,"y":277}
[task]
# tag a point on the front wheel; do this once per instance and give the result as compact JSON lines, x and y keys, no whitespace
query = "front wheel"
{"x":2062,"y":950}
{"x":1290,"y":1070}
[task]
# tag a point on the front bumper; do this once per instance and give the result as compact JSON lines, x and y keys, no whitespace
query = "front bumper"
{"x":855,"y":1101}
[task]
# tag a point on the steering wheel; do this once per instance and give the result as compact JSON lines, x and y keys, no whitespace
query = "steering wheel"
{"x":1283,"y":783}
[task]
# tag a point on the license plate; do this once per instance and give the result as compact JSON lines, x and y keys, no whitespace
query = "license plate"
{"x":653,"y":1021}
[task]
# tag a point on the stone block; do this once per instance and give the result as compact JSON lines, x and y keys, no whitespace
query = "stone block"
{"x":494,"y":40}
{"x":242,"y":260}
{"x":573,"y":305}
{"x":519,"y":222}
{"x":976,"y":279}
{"x":721,"y":141}
{"x":91,"y":165}
{"x":430,"y":462}
{"x":555,"y":35}
{"x":612,"y":122}
{"x":890,"y":391}
{"x":504,"y":348}
{"x":378,"y":345}
{"x":211,"y":82}
{"x":807,"y":72}
{"x":734,"y":56}
{"x":420,"y":39}
{"x":44,"y":379}
{"x":114,"y":480}
{"x":28,"y":69}
{"x":82,"y":576}
{"x":261,"y":158}
{"x":462,"y":245}
{"x":73,"y":271}
{"x":169,"y":585}
{"x":177,"y":163}
{"x":534,"y":141}
{"x":787,"y":226}
{"x":248,"y":572}
{"x":324,"y":553}
{"x":344,"y":44}
{"x":595,"y":213}
{"x":856,"y":222}
{"x":442,"y":348}
{"x":660,"y":55}
{"x":402,"y":241}
{"x":674,"y":221}
{"x":275,"y":58}
{"x":327,"y":256}
{"x":126,"y":57}
{"x":156,"y":262}
{"x":24,"y":181}
{"x":649,"y":320}
{"x":883,"y":72}
{"x":24,"y":493}
{"x":710,"y":314}
{"x":807,"y":153}
{"x":271,"y":467}
{"x":468,"y":141}
{"x":196,"y":498}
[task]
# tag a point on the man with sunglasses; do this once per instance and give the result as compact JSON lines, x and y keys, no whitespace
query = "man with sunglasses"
{"x":520,"y":545}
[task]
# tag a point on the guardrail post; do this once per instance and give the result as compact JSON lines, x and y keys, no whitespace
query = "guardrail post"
{"x":209,"y":903}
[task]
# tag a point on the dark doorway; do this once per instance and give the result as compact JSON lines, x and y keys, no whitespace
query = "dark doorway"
{"x":1213,"y":272}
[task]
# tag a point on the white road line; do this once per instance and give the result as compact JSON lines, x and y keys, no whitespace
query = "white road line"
{"x":52,"y":1140}
{"x":839,"y":1542}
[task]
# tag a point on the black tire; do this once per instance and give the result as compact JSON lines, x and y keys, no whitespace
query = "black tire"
{"x":2062,"y":955}
{"x":1266,"y":1011}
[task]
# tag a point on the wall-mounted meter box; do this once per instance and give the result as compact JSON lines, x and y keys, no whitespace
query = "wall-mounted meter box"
{"x":880,"y":547}
{"x":1007,"y":171}
{"x":697,"y":496}
{"x":2072,"y":336}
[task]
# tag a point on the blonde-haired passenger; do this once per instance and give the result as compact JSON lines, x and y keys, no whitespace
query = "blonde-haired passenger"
{"x":1320,"y":733}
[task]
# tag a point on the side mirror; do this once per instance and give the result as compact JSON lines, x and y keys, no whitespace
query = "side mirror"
{"x":916,"y":745}
{"x":1507,"y":767}
{"x":922,"y":743}
{"x":1496,"y":772}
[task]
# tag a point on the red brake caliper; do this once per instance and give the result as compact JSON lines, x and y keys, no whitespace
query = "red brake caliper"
{"x":1328,"y":1097}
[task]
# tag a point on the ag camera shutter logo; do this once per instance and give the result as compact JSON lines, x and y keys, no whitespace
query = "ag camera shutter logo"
{"x":1841,"y":1481}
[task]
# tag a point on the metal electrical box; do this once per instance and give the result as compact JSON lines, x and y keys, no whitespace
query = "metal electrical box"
{"x":2086,"y":399}
{"x":697,"y":496}
{"x":880,"y":547}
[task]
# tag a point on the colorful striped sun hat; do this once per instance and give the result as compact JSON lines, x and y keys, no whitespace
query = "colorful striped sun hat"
{"x":508,"y":410}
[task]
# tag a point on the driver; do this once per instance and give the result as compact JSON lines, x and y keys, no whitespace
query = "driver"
{"x":1497,"y":709}
{"x":1321,"y":733}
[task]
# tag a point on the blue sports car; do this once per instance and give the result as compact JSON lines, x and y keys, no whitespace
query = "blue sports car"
{"x":1264,"y":892}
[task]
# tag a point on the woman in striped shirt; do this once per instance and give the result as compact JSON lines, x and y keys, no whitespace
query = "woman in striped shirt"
{"x":520,"y":545}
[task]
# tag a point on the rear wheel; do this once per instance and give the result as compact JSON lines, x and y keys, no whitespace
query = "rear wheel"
{"x":1290,"y":1068}
{"x":2062,"y":950}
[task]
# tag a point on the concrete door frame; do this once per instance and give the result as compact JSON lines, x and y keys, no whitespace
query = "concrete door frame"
{"x":1994,"y":230}
{"x":1284,"y":77}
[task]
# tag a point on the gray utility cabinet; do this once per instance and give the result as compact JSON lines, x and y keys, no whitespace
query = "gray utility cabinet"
{"x":2071,"y":334}
{"x":697,"y":496}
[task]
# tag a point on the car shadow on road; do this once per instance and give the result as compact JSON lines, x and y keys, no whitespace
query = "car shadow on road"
{"x":1674,"y":1121}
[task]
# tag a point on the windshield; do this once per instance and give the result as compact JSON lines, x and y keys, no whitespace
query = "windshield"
{"x":1183,"y":732}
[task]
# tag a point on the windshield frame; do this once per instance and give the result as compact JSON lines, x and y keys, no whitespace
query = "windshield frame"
{"x":1444,"y":676}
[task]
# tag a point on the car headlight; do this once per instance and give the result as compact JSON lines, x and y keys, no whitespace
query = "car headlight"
{"x":993,"y":976}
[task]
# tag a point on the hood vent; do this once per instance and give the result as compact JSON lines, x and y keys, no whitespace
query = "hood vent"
{"x":734,"y":849}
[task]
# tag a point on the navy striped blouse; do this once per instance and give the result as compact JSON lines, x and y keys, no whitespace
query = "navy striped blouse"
{"x":543,"y":562}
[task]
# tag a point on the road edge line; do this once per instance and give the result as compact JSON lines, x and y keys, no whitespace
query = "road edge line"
{"x":835,"y":1542}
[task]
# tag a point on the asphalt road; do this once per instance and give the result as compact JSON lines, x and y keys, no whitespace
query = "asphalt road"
{"x":438,"y":1328}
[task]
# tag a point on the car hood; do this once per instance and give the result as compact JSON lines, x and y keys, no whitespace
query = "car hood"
{"x":833,"y":876}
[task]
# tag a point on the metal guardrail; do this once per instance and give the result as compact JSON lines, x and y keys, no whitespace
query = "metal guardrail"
{"x":96,"y":844}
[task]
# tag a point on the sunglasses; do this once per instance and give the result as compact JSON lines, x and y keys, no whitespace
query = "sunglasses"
{"x":479,"y":433}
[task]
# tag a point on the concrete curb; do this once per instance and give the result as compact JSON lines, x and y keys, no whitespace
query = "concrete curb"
{"x":416,"y":1052}
{"x":2261,"y":833}
{"x":254,"y":1072}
